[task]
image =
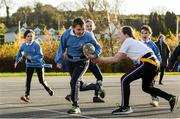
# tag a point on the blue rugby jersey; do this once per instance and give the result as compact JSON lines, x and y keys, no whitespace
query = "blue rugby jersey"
{"x":35,"y":51}
{"x":154,"y":47}
{"x":74,"y":44}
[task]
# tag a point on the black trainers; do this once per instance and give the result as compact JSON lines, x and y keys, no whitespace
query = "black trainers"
{"x":25,"y":98}
{"x":68,"y":98}
{"x":97,"y":100}
{"x":74,"y":110}
{"x":101,"y":91}
{"x":173,"y":102}
{"x":122,"y":111}
{"x":51,"y":92}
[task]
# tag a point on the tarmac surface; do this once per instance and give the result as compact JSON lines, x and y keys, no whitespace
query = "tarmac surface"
{"x":44,"y":106}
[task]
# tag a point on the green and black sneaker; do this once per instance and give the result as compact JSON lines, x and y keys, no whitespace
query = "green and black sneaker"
{"x":74,"y":110}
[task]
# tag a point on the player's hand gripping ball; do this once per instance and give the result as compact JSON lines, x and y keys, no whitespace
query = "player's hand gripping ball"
{"x":88,"y":49}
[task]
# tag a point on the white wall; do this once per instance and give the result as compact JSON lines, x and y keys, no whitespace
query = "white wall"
{"x":9,"y":37}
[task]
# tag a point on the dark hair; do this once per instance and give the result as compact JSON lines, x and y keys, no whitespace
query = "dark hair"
{"x":146,"y":28}
{"x":128,"y":30}
{"x":78,"y":21}
{"x":27,"y":32}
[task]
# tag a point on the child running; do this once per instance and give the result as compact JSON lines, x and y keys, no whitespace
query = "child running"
{"x":90,"y":26}
{"x":34,"y":61}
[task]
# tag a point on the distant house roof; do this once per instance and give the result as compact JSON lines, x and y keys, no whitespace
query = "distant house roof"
{"x":22,"y":29}
{"x":37,"y":29}
{"x":52,"y":30}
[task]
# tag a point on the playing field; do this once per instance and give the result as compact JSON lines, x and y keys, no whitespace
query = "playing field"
{"x":43,"y":106}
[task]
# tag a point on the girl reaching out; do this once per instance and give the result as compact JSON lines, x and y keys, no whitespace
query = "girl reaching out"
{"x":146,"y":69}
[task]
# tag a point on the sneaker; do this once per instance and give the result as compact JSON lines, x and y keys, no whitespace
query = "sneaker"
{"x":122,"y":111}
{"x":74,"y":110}
{"x":97,"y":100}
{"x":173,"y":102}
{"x":25,"y":98}
{"x":101,"y":91}
{"x":51,"y":92}
{"x":68,"y":98}
{"x":154,"y":103}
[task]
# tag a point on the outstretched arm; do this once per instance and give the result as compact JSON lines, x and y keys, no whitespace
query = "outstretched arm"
{"x":114,"y":59}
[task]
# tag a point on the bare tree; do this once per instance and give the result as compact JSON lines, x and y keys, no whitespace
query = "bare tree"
{"x":65,"y":17}
{"x":90,"y":5}
{"x":103,"y":12}
{"x":112,"y":11}
{"x":69,"y":6}
{"x":6,"y":4}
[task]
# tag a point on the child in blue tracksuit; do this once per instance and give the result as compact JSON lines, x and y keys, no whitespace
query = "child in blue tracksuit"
{"x":145,"y":38}
{"x":94,"y":68}
{"x":34,"y":61}
{"x":72,"y":42}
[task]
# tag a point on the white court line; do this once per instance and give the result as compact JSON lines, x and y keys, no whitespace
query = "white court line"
{"x":58,"y":112}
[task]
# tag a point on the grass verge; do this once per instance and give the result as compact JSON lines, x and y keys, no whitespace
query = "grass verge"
{"x":67,"y":74}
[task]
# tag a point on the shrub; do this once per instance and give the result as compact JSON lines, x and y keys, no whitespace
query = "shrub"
{"x":8,"y":54}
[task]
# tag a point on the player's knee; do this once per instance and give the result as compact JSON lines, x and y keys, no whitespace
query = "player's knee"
{"x":100,"y":78}
{"x":125,"y":82}
{"x":145,"y":89}
{"x":122,"y":78}
{"x":82,"y":86}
